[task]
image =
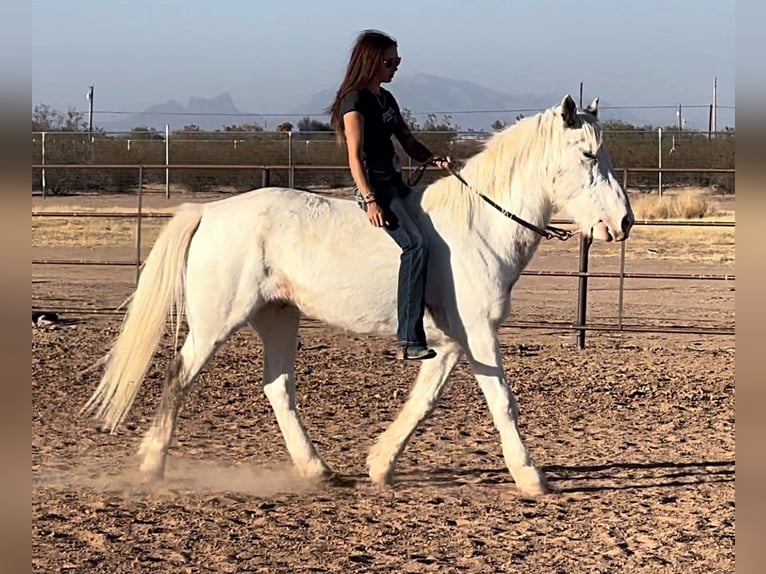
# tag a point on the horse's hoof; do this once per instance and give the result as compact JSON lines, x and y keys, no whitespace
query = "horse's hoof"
{"x":379,"y":468}
{"x":151,"y":477}
{"x":530,"y":481}
{"x":315,"y":470}
{"x":381,"y":479}
{"x":152,"y":473}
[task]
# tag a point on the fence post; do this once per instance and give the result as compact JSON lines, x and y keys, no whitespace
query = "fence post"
{"x":291,"y":169}
{"x":659,"y":162}
{"x":265,"y":177}
{"x":167,"y":161}
{"x":582,"y":291}
{"x":625,"y":180}
{"x":42,"y":143}
{"x":138,"y":221}
{"x":622,"y":285}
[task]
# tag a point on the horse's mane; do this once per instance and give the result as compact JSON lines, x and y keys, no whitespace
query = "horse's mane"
{"x":522,"y":149}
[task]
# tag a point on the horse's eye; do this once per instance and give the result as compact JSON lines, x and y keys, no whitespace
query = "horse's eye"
{"x":589,"y":155}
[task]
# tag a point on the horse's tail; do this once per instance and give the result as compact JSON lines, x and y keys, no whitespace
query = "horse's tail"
{"x":160,"y":291}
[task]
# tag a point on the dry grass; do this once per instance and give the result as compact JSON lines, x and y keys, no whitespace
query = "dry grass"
{"x":98,"y":236}
{"x":688,"y":204}
{"x":705,"y":244}
{"x":92,"y":232}
{"x":96,"y":232}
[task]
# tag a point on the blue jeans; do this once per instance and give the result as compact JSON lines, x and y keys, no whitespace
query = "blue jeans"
{"x":390,"y":191}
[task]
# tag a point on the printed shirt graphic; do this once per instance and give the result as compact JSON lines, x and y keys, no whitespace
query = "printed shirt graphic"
{"x":380,"y":114}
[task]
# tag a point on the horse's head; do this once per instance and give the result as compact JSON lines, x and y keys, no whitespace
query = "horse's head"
{"x":585,"y":185}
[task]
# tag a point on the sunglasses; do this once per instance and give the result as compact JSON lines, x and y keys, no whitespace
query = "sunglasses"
{"x":389,"y":63}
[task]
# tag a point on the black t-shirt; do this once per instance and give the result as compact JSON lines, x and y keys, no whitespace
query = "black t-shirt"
{"x":380,"y":115}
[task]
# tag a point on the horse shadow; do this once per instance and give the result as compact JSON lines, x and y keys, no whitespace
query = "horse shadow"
{"x":567,"y":479}
{"x":441,"y":295}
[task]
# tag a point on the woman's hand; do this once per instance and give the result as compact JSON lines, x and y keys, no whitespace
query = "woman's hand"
{"x":375,"y":214}
{"x":444,"y":162}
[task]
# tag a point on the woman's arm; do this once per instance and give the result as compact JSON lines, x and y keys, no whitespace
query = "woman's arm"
{"x":414,"y":148}
{"x":353,"y":123}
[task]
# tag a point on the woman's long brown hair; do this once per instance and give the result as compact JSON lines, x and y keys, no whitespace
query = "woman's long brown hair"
{"x":365,"y":58}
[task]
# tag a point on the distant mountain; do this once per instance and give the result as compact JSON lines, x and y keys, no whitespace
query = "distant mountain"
{"x":424,"y":93}
{"x":471,"y":107}
{"x":208,"y":113}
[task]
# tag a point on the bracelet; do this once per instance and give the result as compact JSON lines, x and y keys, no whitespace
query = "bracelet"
{"x":369,"y":201}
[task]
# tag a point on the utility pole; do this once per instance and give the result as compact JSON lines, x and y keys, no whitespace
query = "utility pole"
{"x":580,"y":95}
{"x":89,"y":95}
{"x":680,"y":119}
{"x":715,"y":104}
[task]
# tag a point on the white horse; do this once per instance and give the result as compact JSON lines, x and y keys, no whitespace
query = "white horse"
{"x":264,"y":257}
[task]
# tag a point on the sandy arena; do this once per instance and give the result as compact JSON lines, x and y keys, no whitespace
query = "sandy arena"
{"x":636,"y":433}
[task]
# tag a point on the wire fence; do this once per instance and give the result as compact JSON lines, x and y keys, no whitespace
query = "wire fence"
{"x":681,"y":153}
{"x":580,"y":325}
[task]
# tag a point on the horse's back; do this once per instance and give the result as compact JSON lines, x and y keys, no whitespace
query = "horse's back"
{"x":317,"y":253}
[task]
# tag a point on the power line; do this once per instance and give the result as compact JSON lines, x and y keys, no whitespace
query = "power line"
{"x":220,"y":114}
{"x":447,"y":112}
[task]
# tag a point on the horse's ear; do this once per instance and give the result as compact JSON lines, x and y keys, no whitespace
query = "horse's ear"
{"x":592,"y":109}
{"x":569,"y":111}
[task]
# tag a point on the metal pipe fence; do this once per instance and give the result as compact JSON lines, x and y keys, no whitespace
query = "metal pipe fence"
{"x":580,"y":325}
{"x":677,"y":153}
{"x":267,"y":172}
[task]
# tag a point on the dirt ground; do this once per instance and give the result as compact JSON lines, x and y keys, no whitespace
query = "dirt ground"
{"x":636,"y":435}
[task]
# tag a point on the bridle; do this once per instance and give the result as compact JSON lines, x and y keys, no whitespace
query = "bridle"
{"x":550,"y":232}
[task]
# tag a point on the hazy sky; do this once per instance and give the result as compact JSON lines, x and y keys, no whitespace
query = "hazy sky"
{"x":271,"y":56}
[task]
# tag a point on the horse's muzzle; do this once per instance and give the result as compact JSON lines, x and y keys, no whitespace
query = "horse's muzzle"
{"x":603,"y":232}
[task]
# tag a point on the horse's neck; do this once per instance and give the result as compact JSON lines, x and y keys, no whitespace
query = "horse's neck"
{"x":516,"y":243}
{"x":520,"y":195}
{"x":506,"y":174}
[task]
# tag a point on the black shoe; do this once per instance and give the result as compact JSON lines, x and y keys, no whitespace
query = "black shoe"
{"x":417,"y":353}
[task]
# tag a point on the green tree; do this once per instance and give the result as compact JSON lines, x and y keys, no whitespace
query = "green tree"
{"x":410,"y":120}
{"x":251,"y":127}
{"x":47,"y":119}
{"x":145,"y":133}
{"x":434,"y":124}
{"x":307,"y":124}
{"x":616,"y":126}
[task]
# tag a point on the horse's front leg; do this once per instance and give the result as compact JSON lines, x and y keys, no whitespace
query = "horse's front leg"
{"x":485,"y":358}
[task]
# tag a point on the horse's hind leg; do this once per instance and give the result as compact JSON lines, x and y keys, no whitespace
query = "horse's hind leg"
{"x":181,"y":374}
{"x":420,"y":404}
{"x":278,"y":329}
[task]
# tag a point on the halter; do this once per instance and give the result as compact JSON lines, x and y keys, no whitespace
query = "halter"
{"x":550,"y":232}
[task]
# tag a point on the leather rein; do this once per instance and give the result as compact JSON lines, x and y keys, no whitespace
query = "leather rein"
{"x":550,"y":232}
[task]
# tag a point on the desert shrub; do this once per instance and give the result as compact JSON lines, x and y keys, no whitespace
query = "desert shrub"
{"x":685,"y":205}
